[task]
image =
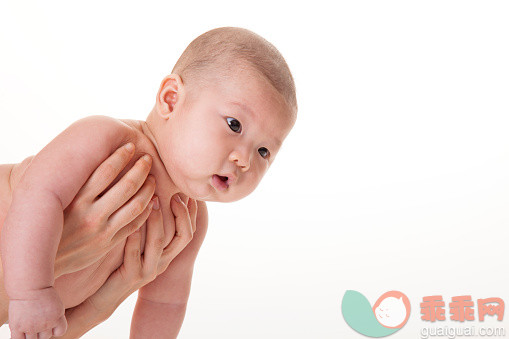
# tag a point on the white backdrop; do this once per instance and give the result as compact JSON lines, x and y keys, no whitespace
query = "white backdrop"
{"x":395,"y":177}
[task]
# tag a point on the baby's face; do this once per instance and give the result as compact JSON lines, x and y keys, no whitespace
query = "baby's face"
{"x":218,"y":144}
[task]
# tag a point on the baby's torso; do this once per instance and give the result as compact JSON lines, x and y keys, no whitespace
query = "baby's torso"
{"x":74,"y":288}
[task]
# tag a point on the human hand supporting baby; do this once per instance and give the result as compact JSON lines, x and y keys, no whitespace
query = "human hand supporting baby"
{"x":138,"y":267}
{"x":220,"y":159}
{"x":41,"y":314}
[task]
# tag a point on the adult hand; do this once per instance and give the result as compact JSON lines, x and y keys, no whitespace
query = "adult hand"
{"x":138,"y":269}
{"x":96,"y":221}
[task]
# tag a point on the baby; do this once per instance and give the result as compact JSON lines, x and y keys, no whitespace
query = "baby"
{"x":218,"y":123}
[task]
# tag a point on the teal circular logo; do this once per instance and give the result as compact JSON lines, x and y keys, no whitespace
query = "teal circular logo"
{"x":388,"y":315}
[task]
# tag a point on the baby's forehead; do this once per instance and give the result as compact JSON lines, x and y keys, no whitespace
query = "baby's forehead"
{"x":248,"y":92}
{"x":249,"y":83}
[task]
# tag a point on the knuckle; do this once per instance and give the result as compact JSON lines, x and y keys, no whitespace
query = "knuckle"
{"x":143,"y":274}
{"x":135,"y":253}
{"x":137,"y":207}
{"x":90,"y":220}
{"x":130,"y":184}
{"x":103,"y":243}
{"x":132,"y":227}
{"x":102,"y":216}
{"x":159,"y":243}
{"x":151,"y":274}
{"x":108,"y":171}
{"x":168,"y":239}
{"x":188,"y":236}
{"x":139,"y":276}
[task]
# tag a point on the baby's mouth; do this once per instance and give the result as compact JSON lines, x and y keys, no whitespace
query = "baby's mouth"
{"x":220,"y":182}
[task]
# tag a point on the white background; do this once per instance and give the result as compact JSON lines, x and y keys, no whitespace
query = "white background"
{"x":395,"y":177}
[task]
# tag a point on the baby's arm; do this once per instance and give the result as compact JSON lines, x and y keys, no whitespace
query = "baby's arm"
{"x":33,"y":226}
{"x":161,"y":304}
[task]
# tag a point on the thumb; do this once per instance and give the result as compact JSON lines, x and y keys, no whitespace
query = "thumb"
{"x":61,"y":327}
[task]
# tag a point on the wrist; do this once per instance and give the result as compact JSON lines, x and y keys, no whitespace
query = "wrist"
{"x":27,"y":293}
{"x":114,"y":291}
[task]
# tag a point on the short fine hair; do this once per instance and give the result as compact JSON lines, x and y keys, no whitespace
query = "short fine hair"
{"x":220,"y":49}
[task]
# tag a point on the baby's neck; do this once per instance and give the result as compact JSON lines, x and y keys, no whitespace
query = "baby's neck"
{"x":158,"y":170}
{"x":144,"y":128}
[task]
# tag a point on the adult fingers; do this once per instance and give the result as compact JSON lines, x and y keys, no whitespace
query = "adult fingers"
{"x":134,"y":225}
{"x":192,"y":207}
{"x":127,"y":186}
{"x":183,"y":233}
{"x":31,"y":335}
{"x":183,"y":225}
{"x":134,"y":207}
{"x":104,"y":175}
{"x":132,"y":254}
{"x":154,"y":243}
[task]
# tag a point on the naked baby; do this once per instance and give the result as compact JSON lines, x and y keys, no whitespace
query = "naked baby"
{"x":218,"y":123}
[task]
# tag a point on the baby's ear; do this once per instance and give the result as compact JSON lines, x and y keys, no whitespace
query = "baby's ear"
{"x":170,"y":92}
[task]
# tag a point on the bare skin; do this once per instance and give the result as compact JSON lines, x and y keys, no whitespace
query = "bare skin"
{"x":88,"y":238}
{"x":136,"y":271}
{"x":73,"y":288}
{"x":172,"y":136}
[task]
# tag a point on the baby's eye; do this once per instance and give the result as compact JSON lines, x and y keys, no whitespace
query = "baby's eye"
{"x":234,"y":125}
{"x":263,"y":152}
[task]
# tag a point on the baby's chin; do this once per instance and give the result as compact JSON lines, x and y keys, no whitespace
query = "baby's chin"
{"x":218,"y":196}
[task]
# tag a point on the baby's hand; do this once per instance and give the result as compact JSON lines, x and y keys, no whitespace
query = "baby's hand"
{"x":40,"y":314}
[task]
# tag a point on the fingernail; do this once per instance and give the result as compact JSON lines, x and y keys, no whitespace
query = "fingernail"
{"x":129,"y":147}
{"x":156,"y":203}
{"x":150,"y":205}
{"x":147,"y":158}
{"x":177,"y":198}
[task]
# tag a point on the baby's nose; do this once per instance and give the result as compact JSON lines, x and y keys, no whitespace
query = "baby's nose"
{"x":240,"y":160}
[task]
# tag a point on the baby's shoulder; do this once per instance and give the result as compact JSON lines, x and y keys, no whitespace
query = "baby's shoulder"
{"x":101,"y":126}
{"x":103,"y":123}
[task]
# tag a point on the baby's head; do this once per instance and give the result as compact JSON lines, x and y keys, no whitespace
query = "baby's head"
{"x":222,"y":115}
